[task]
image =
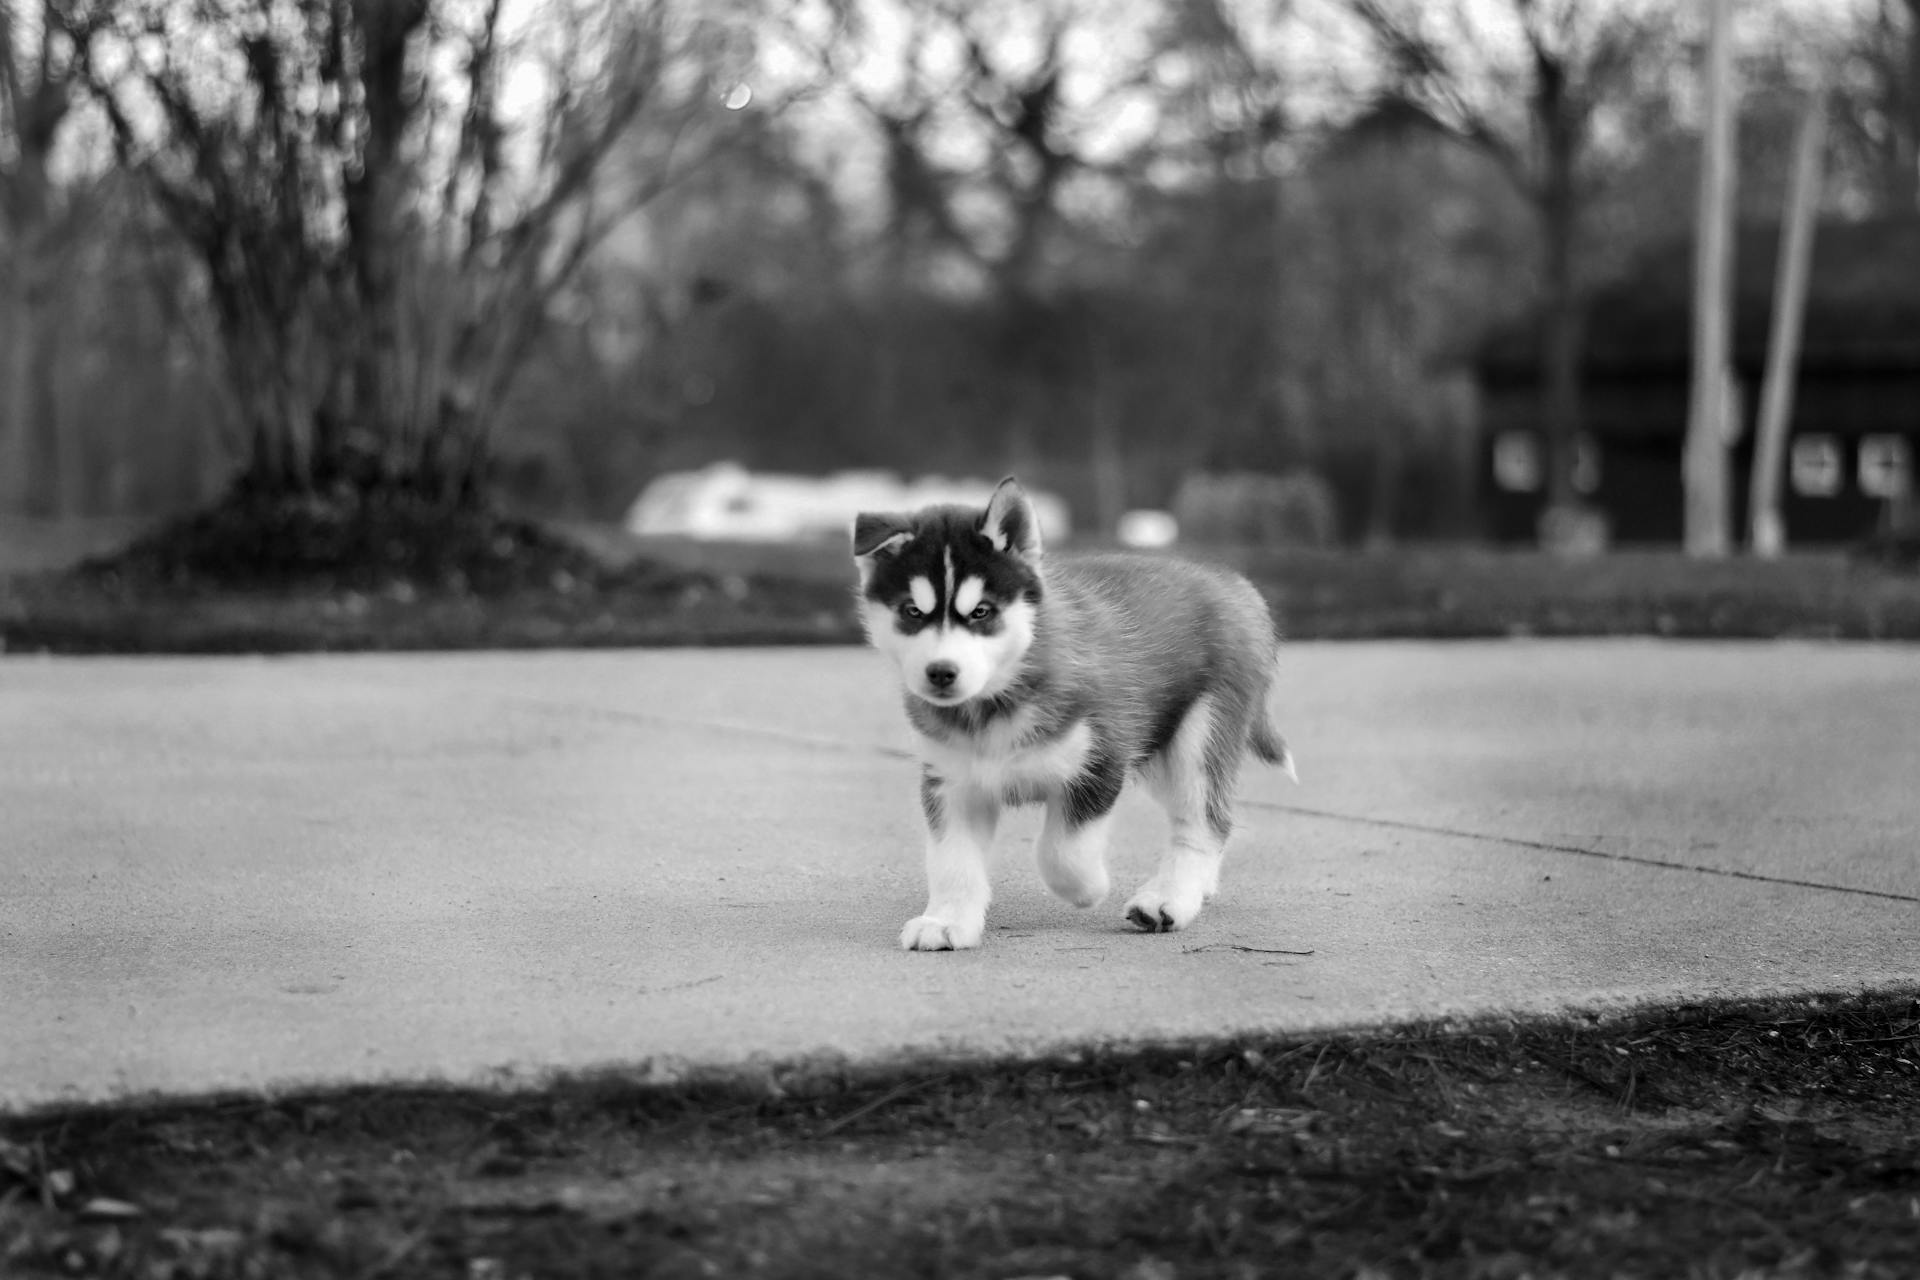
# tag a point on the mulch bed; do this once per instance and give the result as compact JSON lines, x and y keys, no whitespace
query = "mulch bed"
{"x":1771,"y":1138}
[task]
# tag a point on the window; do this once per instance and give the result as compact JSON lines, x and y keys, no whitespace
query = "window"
{"x":1516,"y":461}
{"x":1814,"y":466}
{"x":1886,"y":466}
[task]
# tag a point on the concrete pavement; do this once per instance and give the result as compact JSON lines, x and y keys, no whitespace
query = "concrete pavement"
{"x":267,"y":873}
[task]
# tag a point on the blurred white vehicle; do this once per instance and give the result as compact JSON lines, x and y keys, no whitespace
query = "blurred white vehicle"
{"x":1148,"y":528}
{"x":726,"y":501}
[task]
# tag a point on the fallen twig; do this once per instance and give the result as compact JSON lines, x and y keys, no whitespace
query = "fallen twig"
{"x":892,"y":1095}
{"x":1235,"y":946}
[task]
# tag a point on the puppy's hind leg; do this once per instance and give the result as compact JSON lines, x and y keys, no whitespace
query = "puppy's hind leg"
{"x":1072,"y":850}
{"x":1073,"y":857}
{"x":1193,"y":779}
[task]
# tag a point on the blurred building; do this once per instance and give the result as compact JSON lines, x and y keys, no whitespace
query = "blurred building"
{"x":1854,"y":436}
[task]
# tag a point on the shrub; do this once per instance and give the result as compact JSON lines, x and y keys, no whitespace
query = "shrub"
{"x":1249,"y":508}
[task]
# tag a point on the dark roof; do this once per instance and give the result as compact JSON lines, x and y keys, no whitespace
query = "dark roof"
{"x":1863,"y":307}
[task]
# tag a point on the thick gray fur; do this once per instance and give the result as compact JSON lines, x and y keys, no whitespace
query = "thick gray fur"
{"x":1088,"y":669}
{"x":1129,"y":643}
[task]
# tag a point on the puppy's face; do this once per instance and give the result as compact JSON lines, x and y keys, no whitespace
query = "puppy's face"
{"x":950,"y":595}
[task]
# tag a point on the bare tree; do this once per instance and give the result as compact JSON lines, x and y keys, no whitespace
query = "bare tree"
{"x":1405,"y":263}
{"x":37,"y":83}
{"x":983,"y":112}
{"x":382,"y":227}
{"x":1387,"y":252}
{"x":1877,"y":101}
{"x":1526,"y":81}
{"x":907,"y":108}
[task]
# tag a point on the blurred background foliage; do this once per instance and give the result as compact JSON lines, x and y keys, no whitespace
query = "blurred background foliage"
{"x":547,"y":251}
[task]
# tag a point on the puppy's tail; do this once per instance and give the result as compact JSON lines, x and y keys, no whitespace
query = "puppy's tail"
{"x":1272,"y":748}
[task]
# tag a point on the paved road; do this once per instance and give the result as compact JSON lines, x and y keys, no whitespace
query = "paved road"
{"x":248,"y":873}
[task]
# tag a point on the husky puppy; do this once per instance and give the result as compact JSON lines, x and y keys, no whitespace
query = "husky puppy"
{"x":1051,"y":683}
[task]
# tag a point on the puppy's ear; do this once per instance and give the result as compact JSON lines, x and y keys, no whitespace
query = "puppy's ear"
{"x":879,"y":533}
{"x":1009,"y":523}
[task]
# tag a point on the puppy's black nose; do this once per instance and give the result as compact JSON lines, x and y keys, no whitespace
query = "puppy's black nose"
{"x":941,"y":675}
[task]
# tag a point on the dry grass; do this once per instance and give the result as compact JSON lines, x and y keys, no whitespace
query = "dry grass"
{"x":1477,"y":592}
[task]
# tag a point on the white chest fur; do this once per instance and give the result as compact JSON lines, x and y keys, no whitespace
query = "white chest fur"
{"x":1007,"y":762}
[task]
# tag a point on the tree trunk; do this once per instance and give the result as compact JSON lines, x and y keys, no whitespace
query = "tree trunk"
{"x":375,"y":219}
{"x":1913,"y":103}
{"x":27,"y":222}
{"x":31,"y":412}
{"x":1768,"y":534}
{"x":1388,"y":358}
{"x":1704,"y":467}
{"x":1107,"y":462}
{"x":884,"y":414}
{"x":1563,"y":338}
{"x":16,"y":414}
{"x":1383,"y":487}
{"x":1562,"y":334}
{"x":1456,"y":401}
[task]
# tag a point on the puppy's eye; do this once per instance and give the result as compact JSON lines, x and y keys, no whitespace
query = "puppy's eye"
{"x":982,"y":613}
{"x":911,"y":610}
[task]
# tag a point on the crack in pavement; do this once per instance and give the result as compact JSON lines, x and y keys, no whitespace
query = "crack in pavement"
{"x":818,"y":741}
{"x":1548,"y":846}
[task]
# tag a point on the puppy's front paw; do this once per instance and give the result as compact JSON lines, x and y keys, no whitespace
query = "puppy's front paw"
{"x":939,"y":933}
{"x":1162,"y":905}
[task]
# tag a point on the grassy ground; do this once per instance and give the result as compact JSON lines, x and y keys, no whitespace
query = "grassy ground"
{"x":645,"y":606}
{"x":1763,"y":1139}
{"x":1471,"y":592}
{"x":605,"y":589}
